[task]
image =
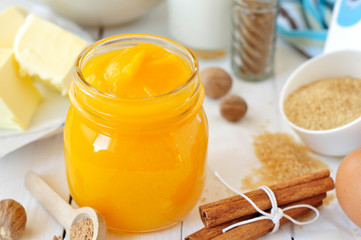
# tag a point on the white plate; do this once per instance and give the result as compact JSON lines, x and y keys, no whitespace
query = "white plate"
{"x":50,"y":113}
{"x":49,"y":117}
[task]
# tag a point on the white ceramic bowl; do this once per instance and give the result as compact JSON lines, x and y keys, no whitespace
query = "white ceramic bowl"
{"x":101,"y":12}
{"x":333,"y":142}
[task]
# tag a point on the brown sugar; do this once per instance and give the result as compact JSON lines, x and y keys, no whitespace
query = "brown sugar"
{"x":325,"y":104}
{"x":281,"y":158}
{"x":83,"y":229}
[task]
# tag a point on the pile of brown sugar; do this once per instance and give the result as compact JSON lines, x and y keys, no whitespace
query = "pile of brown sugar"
{"x":83,"y":229}
{"x":281,"y":158}
{"x":325,"y":104}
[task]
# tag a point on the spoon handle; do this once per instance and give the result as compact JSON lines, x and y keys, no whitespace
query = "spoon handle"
{"x":55,"y":205}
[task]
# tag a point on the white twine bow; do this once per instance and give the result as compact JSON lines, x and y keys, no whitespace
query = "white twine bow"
{"x":276,"y":213}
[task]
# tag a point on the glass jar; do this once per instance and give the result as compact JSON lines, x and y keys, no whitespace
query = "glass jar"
{"x":203,"y":25}
{"x":139,"y":162}
{"x":253,"y":38}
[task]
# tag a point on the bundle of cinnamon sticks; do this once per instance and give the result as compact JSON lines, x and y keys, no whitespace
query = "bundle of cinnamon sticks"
{"x":308,"y":189}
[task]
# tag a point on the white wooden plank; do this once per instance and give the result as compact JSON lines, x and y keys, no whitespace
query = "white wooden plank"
{"x":46,"y":158}
{"x":213,"y":190}
{"x":167,"y":234}
{"x":230,"y":150}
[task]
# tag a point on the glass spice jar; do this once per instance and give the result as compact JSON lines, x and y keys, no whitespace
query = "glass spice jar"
{"x":253,"y":38}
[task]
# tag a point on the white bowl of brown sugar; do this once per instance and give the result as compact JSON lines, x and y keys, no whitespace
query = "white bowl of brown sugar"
{"x":321,"y":101}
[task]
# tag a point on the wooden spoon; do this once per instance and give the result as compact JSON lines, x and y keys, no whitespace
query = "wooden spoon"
{"x":60,"y":210}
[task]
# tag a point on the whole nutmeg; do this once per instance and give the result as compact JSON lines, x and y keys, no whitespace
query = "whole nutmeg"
{"x":216,"y":82}
{"x":233,"y":107}
{"x":12,"y":219}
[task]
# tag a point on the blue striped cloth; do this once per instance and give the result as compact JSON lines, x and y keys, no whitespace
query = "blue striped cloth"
{"x":304,"y":24}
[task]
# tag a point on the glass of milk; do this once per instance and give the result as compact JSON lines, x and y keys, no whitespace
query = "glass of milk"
{"x":204,"y":26}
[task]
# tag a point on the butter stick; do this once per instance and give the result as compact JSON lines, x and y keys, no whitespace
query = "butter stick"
{"x":47,"y":52}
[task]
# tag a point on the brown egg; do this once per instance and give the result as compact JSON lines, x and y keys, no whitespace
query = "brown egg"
{"x":348,"y":186}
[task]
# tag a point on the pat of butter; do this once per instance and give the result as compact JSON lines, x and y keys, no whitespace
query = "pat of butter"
{"x":10,"y":21}
{"x":19,"y":98}
{"x":47,"y":52}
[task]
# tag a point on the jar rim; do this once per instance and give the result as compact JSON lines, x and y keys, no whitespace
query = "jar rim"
{"x":80,"y":79}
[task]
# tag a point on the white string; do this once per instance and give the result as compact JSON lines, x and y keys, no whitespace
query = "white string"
{"x":276,"y":213}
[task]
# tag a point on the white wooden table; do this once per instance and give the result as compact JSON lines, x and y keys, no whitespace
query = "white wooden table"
{"x":230,"y":151}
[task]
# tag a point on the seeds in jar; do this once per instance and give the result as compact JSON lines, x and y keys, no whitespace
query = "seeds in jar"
{"x":325,"y":104}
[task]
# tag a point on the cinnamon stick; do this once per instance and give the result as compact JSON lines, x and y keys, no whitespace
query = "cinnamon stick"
{"x":259,"y":228}
{"x":287,"y":183}
{"x":211,"y":233}
{"x":221,"y":213}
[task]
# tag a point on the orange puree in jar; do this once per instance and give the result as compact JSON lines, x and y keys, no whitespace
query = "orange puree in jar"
{"x":144,"y":70}
{"x":136,"y":135}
